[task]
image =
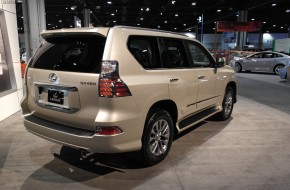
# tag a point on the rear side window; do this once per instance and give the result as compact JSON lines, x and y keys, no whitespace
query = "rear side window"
{"x":173,"y":54}
{"x":145,"y":51}
{"x":75,"y":54}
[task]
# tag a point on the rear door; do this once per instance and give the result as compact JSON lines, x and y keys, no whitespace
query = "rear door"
{"x":63,"y":78}
{"x":182,"y":80}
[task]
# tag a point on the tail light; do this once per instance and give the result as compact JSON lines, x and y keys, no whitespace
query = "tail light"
{"x":110,"y":83}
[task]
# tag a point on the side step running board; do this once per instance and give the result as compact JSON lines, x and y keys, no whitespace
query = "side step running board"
{"x":194,"y":118}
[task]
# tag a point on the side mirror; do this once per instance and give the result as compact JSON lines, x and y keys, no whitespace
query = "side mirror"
{"x":220,"y":62}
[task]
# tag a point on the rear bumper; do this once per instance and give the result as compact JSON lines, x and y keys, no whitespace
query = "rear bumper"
{"x":81,"y":139}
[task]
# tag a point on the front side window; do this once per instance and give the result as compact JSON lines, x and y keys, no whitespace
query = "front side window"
{"x":199,"y":56}
{"x":74,"y":54}
{"x":145,"y":51}
{"x":257,"y":56}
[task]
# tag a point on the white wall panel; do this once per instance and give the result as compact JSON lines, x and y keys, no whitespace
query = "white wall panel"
{"x":13,"y":35}
{"x":9,"y":5}
{"x":9,"y":105}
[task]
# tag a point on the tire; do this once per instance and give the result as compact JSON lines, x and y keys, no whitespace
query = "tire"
{"x":238,"y":67}
{"x":277,"y":68}
{"x":157,"y":137}
{"x":228,"y":105}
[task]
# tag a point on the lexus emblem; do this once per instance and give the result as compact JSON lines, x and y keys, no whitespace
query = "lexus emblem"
{"x":52,"y":77}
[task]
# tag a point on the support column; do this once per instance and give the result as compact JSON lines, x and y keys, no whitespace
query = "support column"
{"x":87,"y":18}
{"x":26,"y":29}
{"x":242,"y":36}
{"x":37,"y":22}
{"x":260,"y":44}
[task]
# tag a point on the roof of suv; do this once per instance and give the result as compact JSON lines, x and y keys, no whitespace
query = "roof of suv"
{"x":101,"y":30}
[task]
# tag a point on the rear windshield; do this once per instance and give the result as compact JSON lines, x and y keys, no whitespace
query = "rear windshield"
{"x":75,"y":54}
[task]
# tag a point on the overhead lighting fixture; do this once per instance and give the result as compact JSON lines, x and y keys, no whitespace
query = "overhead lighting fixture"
{"x":213,"y":28}
{"x":218,"y":10}
{"x":189,"y":30}
{"x":165,"y":21}
{"x":114,"y":21}
{"x":288,"y":11}
{"x":184,"y":24}
{"x":113,"y":14}
{"x":267,"y":31}
{"x":158,"y":26}
{"x":142,"y":9}
{"x":48,"y":24}
{"x":176,"y":15}
{"x":109,"y":2}
{"x":237,"y":15}
{"x":274,"y":4}
{"x":175,"y":28}
{"x":147,"y":9}
{"x":282,"y":27}
{"x":60,"y":21}
{"x":66,"y":8}
{"x":161,"y":13}
{"x":252,"y":19}
{"x":73,"y":7}
{"x":173,"y":2}
{"x":141,"y":18}
{"x":264,"y":22}
{"x":71,"y":26}
{"x":193,"y":3}
{"x":138,"y":24}
{"x":274,"y":25}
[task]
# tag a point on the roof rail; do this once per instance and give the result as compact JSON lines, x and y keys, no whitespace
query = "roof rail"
{"x":150,"y":29}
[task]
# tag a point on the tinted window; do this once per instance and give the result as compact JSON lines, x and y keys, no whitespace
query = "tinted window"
{"x":258,"y":55}
{"x":145,"y":51}
{"x":173,"y":54}
{"x":76,"y":54}
{"x":200,"y":57}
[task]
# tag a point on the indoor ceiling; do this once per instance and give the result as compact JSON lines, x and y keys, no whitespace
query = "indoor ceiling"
{"x":172,"y":15}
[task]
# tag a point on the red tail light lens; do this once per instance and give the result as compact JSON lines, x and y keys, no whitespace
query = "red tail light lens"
{"x":110,"y":83}
{"x":108,"y":131}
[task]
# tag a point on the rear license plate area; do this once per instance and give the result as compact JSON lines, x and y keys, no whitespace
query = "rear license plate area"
{"x":55,"y":96}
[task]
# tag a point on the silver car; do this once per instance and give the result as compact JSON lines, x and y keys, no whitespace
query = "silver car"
{"x":262,"y":61}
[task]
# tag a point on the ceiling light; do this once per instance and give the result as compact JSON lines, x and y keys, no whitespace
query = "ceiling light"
{"x":288,"y":11}
{"x":60,"y":21}
{"x":282,"y":27}
{"x":267,"y":31}
{"x":189,"y":30}
{"x":274,"y":4}
{"x":71,"y":26}
{"x":73,"y":7}
{"x":141,"y":18}
{"x":264,"y":22}
{"x":114,"y":21}
{"x":113,"y":14}
{"x":237,"y":15}
{"x":175,"y":28}
{"x":138,"y":24}
{"x":184,"y":24}
{"x":165,"y":21}
{"x":274,"y":25}
{"x":66,"y":8}
{"x":193,"y":3}
{"x":176,"y":15}
{"x":109,"y":2}
{"x":158,"y":26}
{"x":142,"y":9}
{"x":218,"y":10}
{"x":215,"y":22}
{"x":161,"y":13}
{"x":147,"y":9}
{"x":213,"y":28}
{"x":48,"y":24}
{"x":173,"y":2}
{"x":252,"y":19}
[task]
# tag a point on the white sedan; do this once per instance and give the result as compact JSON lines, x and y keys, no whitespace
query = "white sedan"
{"x":266,"y":61}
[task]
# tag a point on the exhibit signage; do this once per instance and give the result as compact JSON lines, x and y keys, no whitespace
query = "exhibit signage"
{"x":228,"y":26}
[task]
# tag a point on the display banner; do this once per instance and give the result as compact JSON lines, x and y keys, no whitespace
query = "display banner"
{"x":228,"y":26}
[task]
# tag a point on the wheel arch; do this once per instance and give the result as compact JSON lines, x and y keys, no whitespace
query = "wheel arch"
{"x":169,"y":106}
{"x":233,"y":85}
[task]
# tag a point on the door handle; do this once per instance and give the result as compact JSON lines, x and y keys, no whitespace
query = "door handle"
{"x":173,"y":80}
{"x":201,"y":77}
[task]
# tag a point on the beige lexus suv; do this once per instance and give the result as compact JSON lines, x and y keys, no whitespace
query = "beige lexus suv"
{"x":122,"y":89}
